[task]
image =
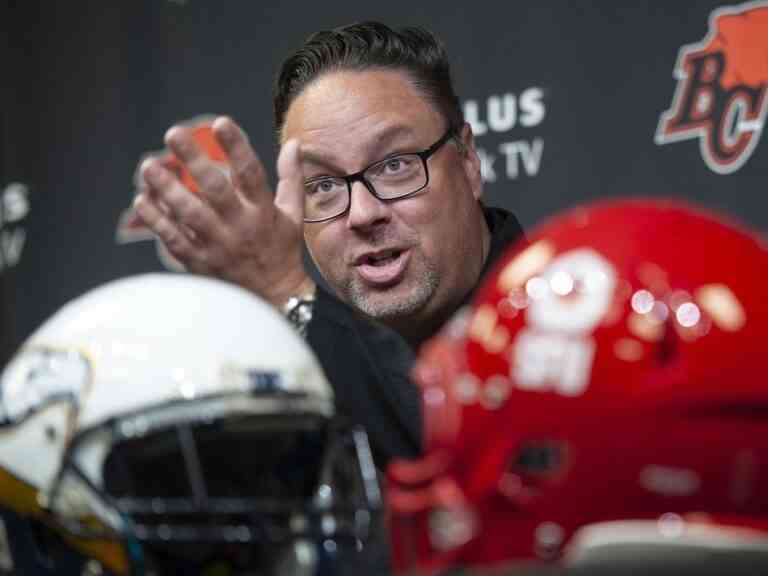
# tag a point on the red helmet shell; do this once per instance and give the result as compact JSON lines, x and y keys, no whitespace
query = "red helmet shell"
{"x":610,"y":370}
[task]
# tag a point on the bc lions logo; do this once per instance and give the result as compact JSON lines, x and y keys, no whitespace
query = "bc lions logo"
{"x":721,"y":88}
{"x":130,"y":227}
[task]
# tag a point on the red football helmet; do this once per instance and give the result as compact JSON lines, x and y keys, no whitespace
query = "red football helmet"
{"x":604,"y":398}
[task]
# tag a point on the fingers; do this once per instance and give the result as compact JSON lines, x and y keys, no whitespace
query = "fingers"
{"x":171,"y":211}
{"x":289,"y":197}
{"x":247,"y":170}
{"x":214,"y":185}
{"x":257,"y":244}
{"x":173,"y":237}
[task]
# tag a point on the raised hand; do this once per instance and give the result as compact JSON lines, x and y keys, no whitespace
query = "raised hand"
{"x":234,"y":228}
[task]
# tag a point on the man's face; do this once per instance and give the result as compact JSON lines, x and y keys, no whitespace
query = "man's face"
{"x":401,"y":261}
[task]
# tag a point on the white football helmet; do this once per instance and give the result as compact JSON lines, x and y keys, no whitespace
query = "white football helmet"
{"x":166,"y":410}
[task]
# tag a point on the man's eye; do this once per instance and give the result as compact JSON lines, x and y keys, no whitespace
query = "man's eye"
{"x":321,"y":187}
{"x":395,"y":165}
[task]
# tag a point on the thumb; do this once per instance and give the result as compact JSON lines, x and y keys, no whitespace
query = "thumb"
{"x":289,"y":197}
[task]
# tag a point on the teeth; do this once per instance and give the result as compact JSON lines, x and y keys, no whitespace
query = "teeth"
{"x":386,"y":257}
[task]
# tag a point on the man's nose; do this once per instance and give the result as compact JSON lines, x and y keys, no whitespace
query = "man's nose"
{"x":365,"y":209}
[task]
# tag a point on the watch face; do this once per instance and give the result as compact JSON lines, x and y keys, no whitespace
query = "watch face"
{"x":298,"y":311}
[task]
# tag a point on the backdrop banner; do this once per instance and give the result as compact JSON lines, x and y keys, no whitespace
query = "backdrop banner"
{"x":569,"y":102}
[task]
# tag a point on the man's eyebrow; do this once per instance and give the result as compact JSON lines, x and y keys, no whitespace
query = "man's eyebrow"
{"x":375,"y":147}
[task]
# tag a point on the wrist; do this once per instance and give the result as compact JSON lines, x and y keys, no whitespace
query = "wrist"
{"x":277,"y":292}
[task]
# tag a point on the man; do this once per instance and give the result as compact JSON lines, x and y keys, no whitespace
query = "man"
{"x":379,"y":173}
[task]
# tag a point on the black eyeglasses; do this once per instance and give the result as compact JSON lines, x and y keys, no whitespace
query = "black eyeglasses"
{"x":395,"y":177}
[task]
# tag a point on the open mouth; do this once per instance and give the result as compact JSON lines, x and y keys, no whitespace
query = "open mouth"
{"x":383,"y":268}
{"x":383,"y":259}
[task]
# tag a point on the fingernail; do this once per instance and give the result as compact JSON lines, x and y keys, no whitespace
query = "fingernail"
{"x":221,"y":121}
{"x":175,"y":139}
{"x":150,"y":169}
{"x":171,"y":134}
{"x":223,"y":128}
{"x":293,"y":145}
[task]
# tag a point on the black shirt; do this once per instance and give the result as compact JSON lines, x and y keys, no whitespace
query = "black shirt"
{"x":368,"y":364}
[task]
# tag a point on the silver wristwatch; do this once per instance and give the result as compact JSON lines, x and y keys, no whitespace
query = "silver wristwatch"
{"x":298,"y":311}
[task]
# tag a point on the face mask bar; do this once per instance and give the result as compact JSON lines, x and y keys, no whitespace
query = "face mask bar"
{"x":341,"y":502}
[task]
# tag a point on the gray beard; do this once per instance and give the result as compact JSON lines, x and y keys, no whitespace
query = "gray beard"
{"x":378,"y":306}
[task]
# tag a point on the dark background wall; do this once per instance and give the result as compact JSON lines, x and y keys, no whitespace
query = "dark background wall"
{"x":565,"y":98}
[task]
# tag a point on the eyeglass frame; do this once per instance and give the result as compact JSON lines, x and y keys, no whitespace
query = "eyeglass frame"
{"x":359,"y":177}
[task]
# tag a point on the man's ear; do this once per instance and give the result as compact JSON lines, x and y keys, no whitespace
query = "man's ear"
{"x":471,"y":160}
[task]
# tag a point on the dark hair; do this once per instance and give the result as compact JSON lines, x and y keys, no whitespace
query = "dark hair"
{"x":370,"y":45}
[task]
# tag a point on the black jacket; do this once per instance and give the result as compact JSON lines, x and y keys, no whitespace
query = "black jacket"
{"x":368,"y":364}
